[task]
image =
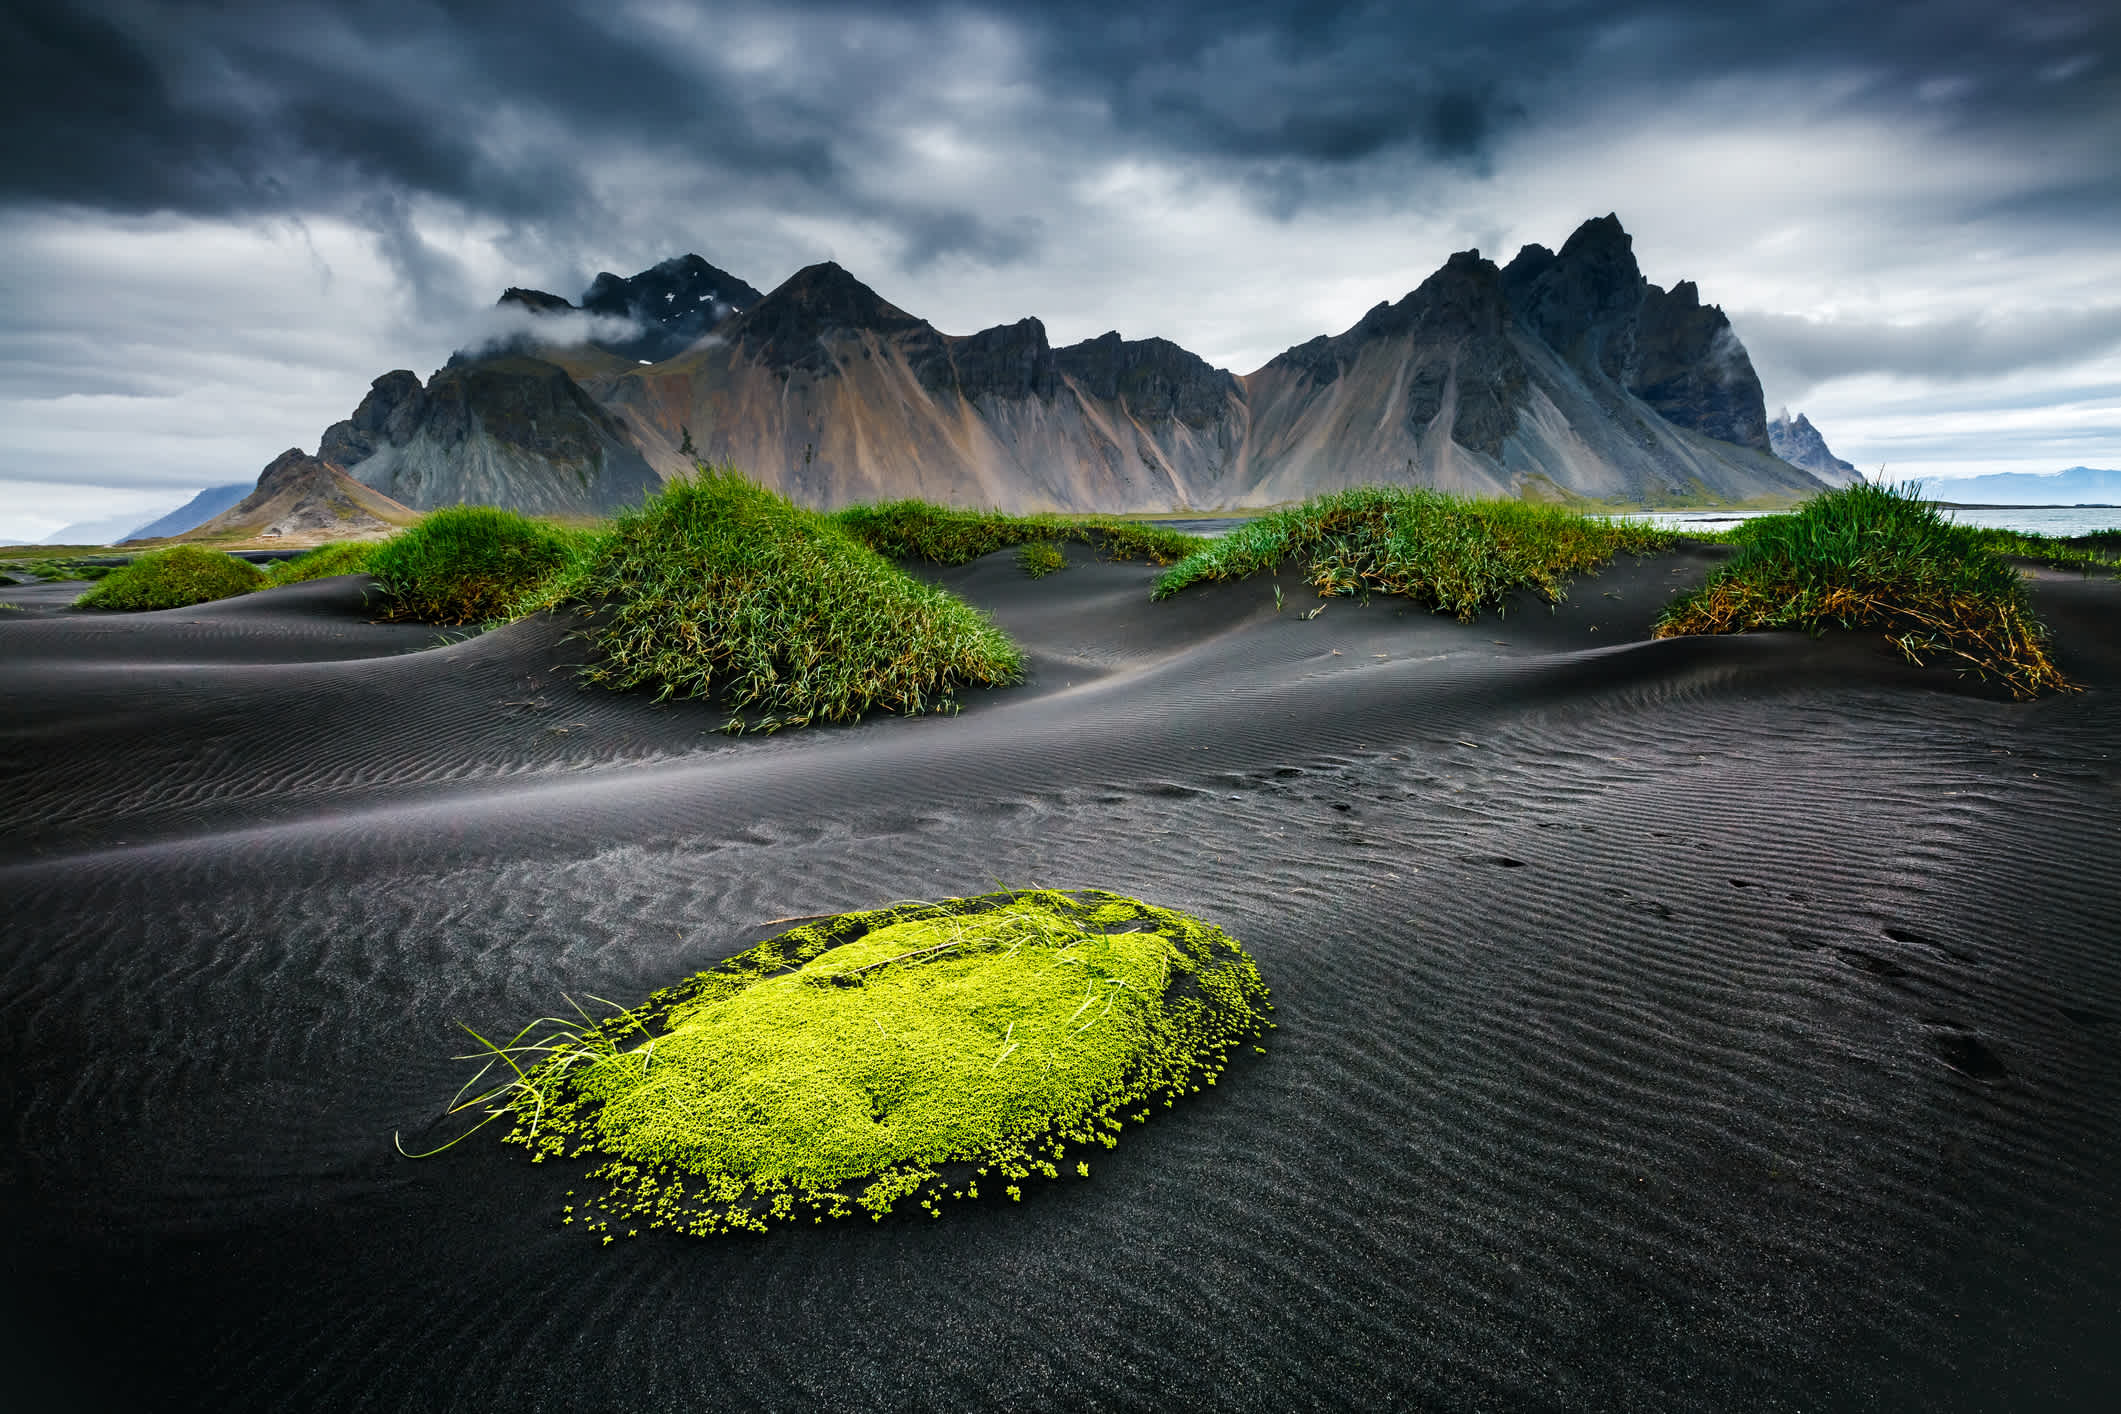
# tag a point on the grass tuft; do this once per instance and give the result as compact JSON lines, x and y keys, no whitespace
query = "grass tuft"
{"x":1878,"y":557}
{"x":341,"y":557}
{"x":173,"y":578}
{"x":1453,"y":555}
{"x":1040,"y":558}
{"x":906,"y":1054}
{"x":469,"y":564}
{"x":920,"y":530}
{"x":719,"y":586}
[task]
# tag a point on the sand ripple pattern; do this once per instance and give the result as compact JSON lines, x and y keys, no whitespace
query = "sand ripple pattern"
{"x":1663,"y":1026}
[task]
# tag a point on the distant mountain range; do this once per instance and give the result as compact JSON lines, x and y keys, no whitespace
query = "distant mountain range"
{"x":2078,"y":486}
{"x":1562,"y":373}
{"x":118,"y":529}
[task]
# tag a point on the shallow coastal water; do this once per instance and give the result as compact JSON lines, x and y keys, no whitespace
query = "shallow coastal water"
{"x":1679,"y":1024}
{"x":2060,"y":521}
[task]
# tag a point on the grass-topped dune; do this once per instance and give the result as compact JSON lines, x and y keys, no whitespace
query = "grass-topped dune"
{"x":1878,"y":557}
{"x":718,"y":587}
{"x":175,"y":578}
{"x":1450,"y":554}
{"x":914,"y":1054}
{"x":470,"y":564}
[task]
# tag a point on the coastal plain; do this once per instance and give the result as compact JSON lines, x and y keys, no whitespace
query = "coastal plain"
{"x":1698,"y":1023}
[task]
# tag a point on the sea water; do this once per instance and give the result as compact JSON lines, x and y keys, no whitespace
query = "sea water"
{"x":2037,"y":520}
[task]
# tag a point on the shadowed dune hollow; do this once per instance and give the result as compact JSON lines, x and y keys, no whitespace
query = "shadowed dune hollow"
{"x":1692,"y":1023}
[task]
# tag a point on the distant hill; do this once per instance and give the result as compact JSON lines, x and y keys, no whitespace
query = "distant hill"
{"x":302,"y":501}
{"x":1797,"y":442}
{"x":2078,"y":486}
{"x":107,"y":531}
{"x":195,"y":512}
{"x":1564,"y":373}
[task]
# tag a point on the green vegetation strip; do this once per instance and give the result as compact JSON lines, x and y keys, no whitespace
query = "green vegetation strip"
{"x":1878,"y":557}
{"x":918,"y":530}
{"x":917,"y":1053}
{"x":1453,"y":555}
{"x":2084,"y":553}
{"x":343,"y":557}
{"x":719,"y":586}
{"x":174,"y":578}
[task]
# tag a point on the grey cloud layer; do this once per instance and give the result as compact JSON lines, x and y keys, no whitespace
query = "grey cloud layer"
{"x":1812,"y":351}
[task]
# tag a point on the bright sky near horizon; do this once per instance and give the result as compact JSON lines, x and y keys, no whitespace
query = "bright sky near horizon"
{"x":219,"y":221}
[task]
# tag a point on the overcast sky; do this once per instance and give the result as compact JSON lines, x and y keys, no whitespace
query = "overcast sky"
{"x":219,"y":222}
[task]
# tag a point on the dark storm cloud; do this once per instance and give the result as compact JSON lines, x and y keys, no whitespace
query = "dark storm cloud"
{"x":211,"y":108}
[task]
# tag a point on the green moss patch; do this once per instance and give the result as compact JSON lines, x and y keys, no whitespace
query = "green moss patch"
{"x":1878,"y":557}
{"x":912,"y":1055}
{"x":469,"y":564}
{"x":1453,"y":555}
{"x":344,"y":557}
{"x":718,"y":586}
{"x":172,"y":579}
{"x":921,"y":530}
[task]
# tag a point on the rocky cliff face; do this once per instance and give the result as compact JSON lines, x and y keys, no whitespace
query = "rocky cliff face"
{"x":1799,"y":443}
{"x":1565,"y":371}
{"x":511,"y":431}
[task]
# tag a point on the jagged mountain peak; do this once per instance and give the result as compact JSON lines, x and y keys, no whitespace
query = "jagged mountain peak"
{"x":785,"y":329}
{"x":536,"y":301}
{"x":675,"y":303}
{"x":1799,"y":443}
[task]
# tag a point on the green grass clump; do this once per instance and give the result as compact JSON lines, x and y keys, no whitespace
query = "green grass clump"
{"x":1877,"y":557}
{"x":340,"y":557}
{"x":1453,"y":555}
{"x":469,"y":564}
{"x":918,"y":1052}
{"x":919,"y":530}
{"x":719,"y":586}
{"x":1040,"y":558}
{"x":172,"y":579}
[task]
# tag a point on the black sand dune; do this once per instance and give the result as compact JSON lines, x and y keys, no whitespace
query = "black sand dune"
{"x":1684,"y":1024}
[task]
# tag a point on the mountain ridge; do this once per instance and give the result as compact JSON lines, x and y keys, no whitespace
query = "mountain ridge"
{"x":1564,"y":373}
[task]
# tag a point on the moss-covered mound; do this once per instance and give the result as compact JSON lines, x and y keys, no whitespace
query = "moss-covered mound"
{"x":923,"y":530}
{"x":913,"y":1054}
{"x":468,"y":564}
{"x":1450,"y":554}
{"x":172,"y":579}
{"x":1878,"y":557}
{"x":342,"y":557}
{"x":720,"y":587}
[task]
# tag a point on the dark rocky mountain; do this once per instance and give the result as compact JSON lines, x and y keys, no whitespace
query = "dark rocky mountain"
{"x":1564,"y":373}
{"x":1797,"y":442}
{"x":676,"y":304}
{"x":509,"y":431}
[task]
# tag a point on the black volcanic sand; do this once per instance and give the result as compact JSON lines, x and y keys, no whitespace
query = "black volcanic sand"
{"x":1698,"y":1024}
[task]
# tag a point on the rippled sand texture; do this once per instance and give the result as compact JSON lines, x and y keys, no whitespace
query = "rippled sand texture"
{"x":1664,"y":1025}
